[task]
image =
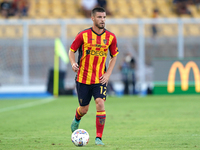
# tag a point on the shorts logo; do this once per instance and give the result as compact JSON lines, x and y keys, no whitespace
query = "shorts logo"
{"x":81,"y":101}
{"x":102,"y":121}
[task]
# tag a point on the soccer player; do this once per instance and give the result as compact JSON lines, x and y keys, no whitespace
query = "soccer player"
{"x":92,"y":76}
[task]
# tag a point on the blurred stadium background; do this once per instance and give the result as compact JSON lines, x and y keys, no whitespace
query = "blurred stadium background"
{"x":27,"y":43}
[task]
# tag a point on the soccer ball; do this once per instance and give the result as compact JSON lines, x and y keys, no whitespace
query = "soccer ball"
{"x":80,"y":137}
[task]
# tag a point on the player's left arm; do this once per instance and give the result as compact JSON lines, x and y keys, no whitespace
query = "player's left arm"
{"x":105,"y":77}
{"x":113,"y":53}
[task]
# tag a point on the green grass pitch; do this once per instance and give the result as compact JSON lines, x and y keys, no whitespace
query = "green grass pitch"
{"x":133,"y":122}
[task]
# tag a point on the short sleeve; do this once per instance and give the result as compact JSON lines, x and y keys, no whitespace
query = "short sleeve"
{"x":78,"y":41}
{"x":113,"y":47}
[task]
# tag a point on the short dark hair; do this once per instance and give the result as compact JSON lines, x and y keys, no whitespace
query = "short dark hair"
{"x":97,"y":9}
{"x":176,"y":1}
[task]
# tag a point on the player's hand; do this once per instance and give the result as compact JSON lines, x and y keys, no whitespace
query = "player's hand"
{"x":75,"y":67}
{"x":104,"y":79}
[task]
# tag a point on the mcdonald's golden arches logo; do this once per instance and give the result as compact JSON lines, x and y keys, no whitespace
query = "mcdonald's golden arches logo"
{"x":184,"y":76}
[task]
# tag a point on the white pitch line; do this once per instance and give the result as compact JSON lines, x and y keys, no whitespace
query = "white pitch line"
{"x":38,"y":102}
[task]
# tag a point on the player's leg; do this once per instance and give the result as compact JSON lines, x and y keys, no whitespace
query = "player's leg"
{"x":99,"y":93}
{"x":80,"y":112}
{"x":100,"y":120}
{"x":84,"y":97}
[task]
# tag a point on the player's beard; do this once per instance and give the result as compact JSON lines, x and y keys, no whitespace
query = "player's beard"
{"x":100,"y":26}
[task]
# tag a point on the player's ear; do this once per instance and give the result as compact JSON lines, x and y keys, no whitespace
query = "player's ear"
{"x":92,"y":17}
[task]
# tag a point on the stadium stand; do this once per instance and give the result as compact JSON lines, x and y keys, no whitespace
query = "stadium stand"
{"x":62,"y":9}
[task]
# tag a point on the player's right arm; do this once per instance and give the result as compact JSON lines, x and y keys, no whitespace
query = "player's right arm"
{"x":75,"y":66}
{"x":78,"y":41}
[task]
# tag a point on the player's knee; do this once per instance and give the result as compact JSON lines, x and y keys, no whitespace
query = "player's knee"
{"x":84,"y":110}
{"x":100,"y":104}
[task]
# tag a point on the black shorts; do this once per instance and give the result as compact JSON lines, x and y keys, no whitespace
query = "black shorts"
{"x":85,"y":92}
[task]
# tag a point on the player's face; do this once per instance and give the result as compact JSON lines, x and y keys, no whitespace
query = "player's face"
{"x":99,"y":19}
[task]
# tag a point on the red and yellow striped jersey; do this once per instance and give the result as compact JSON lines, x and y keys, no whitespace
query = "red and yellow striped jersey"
{"x":93,"y":49}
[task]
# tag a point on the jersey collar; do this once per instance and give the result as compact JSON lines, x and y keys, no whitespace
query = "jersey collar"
{"x":97,"y":33}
